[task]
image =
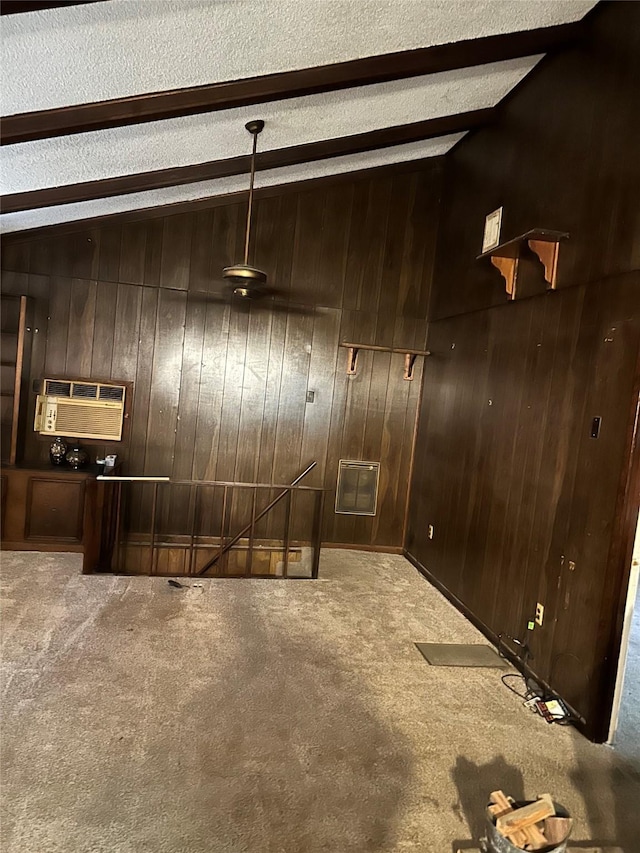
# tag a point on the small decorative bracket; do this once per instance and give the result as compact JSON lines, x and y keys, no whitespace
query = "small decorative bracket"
{"x":409,"y":361}
{"x":509,"y":269}
{"x":547,"y":253}
{"x":544,"y":244}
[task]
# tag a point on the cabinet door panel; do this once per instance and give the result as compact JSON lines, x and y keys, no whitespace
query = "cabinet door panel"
{"x":55,"y":509}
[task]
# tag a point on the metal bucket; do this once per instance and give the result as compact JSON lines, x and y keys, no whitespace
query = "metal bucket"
{"x":497,"y":843}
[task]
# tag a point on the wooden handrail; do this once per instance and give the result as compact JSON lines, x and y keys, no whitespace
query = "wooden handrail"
{"x":228,"y":545}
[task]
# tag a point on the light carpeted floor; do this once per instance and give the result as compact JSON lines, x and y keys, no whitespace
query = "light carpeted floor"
{"x":268,"y":717}
{"x":627,"y":738}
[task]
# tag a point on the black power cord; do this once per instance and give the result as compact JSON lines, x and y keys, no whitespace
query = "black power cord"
{"x":524,"y":696}
{"x":531,"y":692}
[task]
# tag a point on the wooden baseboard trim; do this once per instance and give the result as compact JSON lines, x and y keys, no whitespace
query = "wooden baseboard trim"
{"x":45,"y":546}
{"x":376,"y":549}
{"x":493,"y":638}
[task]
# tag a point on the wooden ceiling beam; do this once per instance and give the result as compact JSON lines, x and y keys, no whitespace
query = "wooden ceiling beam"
{"x":19,"y":7}
{"x":194,"y":205}
{"x":293,"y":156}
{"x":157,"y":106}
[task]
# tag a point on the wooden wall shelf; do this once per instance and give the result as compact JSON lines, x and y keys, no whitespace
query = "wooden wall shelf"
{"x":410,"y":356}
{"x":544,"y":244}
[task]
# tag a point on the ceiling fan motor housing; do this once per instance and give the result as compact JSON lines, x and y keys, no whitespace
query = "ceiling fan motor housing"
{"x":247,"y":282}
{"x":244,"y":274}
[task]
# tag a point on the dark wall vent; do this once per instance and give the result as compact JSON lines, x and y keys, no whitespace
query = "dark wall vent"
{"x":357,"y":489}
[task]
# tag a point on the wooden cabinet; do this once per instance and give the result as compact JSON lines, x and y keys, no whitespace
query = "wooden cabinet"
{"x":50,"y":509}
{"x":55,"y":509}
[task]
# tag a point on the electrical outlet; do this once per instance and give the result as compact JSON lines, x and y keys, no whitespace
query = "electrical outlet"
{"x":430,"y":531}
{"x":539,"y":614}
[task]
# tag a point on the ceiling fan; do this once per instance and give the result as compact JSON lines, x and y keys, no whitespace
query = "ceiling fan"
{"x":247,"y":285}
{"x":248,"y":282}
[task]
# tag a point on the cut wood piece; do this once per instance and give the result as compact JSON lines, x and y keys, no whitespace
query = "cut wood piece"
{"x":499,"y":798}
{"x":502,"y":805}
{"x":518,"y":838}
{"x":535,"y":836}
{"x":535,"y":839}
{"x":525,"y":816}
{"x":498,"y":811}
{"x":557,"y":829}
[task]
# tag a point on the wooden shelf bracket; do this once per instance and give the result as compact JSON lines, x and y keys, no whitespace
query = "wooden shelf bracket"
{"x":409,"y":361}
{"x":547,"y":253}
{"x":544,"y":244}
{"x":410,"y":356}
{"x":352,"y":362}
{"x":509,"y":270}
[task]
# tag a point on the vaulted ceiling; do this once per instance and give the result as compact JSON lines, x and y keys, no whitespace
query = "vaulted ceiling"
{"x":122,"y":105}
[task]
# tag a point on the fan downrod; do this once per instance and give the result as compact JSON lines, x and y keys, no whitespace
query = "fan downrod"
{"x":249,"y":281}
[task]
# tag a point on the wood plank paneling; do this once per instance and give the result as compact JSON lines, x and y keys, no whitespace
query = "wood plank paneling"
{"x":191,"y":378}
{"x":219,"y":389}
{"x":272,"y":398}
{"x":522,"y":499}
{"x":211,"y":391}
{"x":58,"y":329}
{"x":82,"y":314}
{"x":38,"y":289}
{"x":232,"y":392}
{"x":176,"y":251}
{"x":165,"y":383}
{"x":517,"y":489}
{"x":104,"y":329}
{"x":109,"y":257}
{"x":287,"y":461}
{"x":133,"y":250}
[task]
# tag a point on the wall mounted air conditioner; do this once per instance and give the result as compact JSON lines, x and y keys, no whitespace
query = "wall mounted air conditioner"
{"x":79,"y":409}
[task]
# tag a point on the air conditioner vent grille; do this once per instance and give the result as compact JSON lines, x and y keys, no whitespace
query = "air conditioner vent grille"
{"x":57,"y":388}
{"x":84,"y":391}
{"x":83,"y":422}
{"x":111,"y":392}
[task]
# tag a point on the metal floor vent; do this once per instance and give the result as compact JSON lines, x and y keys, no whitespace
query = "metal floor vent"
{"x":357,"y":489}
{"x":461,"y":654}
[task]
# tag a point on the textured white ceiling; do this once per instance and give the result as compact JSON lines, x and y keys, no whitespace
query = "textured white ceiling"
{"x":89,"y":53}
{"x":220,"y":135}
{"x":223,"y":186}
{"x":98,"y":51}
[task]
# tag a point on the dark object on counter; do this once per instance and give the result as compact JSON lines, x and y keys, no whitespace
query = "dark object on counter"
{"x":77,"y":457}
{"x":175,"y":584}
{"x":58,"y":451}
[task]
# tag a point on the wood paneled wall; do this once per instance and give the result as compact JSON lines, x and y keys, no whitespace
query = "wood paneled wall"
{"x":219,"y":389}
{"x":522,"y":499}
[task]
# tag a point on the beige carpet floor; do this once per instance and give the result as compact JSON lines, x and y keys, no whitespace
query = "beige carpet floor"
{"x":268,"y":717}
{"x":627,"y":737}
